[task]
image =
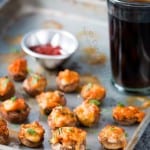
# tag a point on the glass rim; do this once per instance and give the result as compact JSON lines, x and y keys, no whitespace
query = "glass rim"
{"x":131,"y":3}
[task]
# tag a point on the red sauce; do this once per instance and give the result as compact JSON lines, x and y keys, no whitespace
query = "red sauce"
{"x":46,"y":49}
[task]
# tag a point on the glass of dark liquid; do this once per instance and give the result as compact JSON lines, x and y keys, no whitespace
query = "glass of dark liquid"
{"x":129,"y":31}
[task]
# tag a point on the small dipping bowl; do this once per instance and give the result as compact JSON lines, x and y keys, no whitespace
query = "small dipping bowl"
{"x":66,"y":41}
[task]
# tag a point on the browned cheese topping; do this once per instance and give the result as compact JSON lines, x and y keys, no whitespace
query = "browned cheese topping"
{"x":68,"y":136}
{"x":128,"y":112}
{"x":33,"y":132}
{"x":68,"y":77}
{"x":50,"y":99}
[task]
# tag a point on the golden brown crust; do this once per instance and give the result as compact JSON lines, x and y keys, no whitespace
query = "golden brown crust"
{"x":34,"y":84}
{"x":112,"y":137}
{"x":18,"y":69}
{"x":88,"y":114}
{"x":67,"y":80}
{"x":60,"y":117}
{"x":49,"y":100}
{"x":68,"y":138}
{"x":127,"y":115}
{"x":4,"y":132}
{"x":30,"y":91}
{"x":31,"y":135}
{"x":7,"y":88}
{"x":93,"y":91}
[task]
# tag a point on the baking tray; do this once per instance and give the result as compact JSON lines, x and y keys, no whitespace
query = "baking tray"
{"x":88,"y":22}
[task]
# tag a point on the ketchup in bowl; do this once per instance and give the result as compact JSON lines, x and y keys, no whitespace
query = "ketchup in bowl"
{"x":46,"y":49}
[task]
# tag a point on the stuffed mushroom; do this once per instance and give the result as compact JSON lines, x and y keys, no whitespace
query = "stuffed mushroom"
{"x":127,"y":115}
{"x":18,"y":69}
{"x":60,"y":117}
{"x":68,"y":138}
{"x":15,"y":110}
{"x":49,"y":100}
{"x":31,"y":135}
{"x":68,"y":80}
{"x":88,"y":113}
{"x":34,"y":84}
{"x":112,"y":138}
{"x":93,"y":91}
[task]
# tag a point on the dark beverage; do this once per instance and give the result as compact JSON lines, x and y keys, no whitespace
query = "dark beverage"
{"x":130,"y":47}
{"x":130,"y":58}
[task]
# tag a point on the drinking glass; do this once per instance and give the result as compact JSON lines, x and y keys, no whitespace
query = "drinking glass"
{"x":129,"y":33}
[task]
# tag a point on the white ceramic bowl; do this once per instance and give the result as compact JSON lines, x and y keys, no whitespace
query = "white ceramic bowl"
{"x":64,"y":39}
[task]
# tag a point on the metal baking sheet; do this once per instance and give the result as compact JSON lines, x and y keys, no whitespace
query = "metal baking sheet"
{"x":88,"y":22}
